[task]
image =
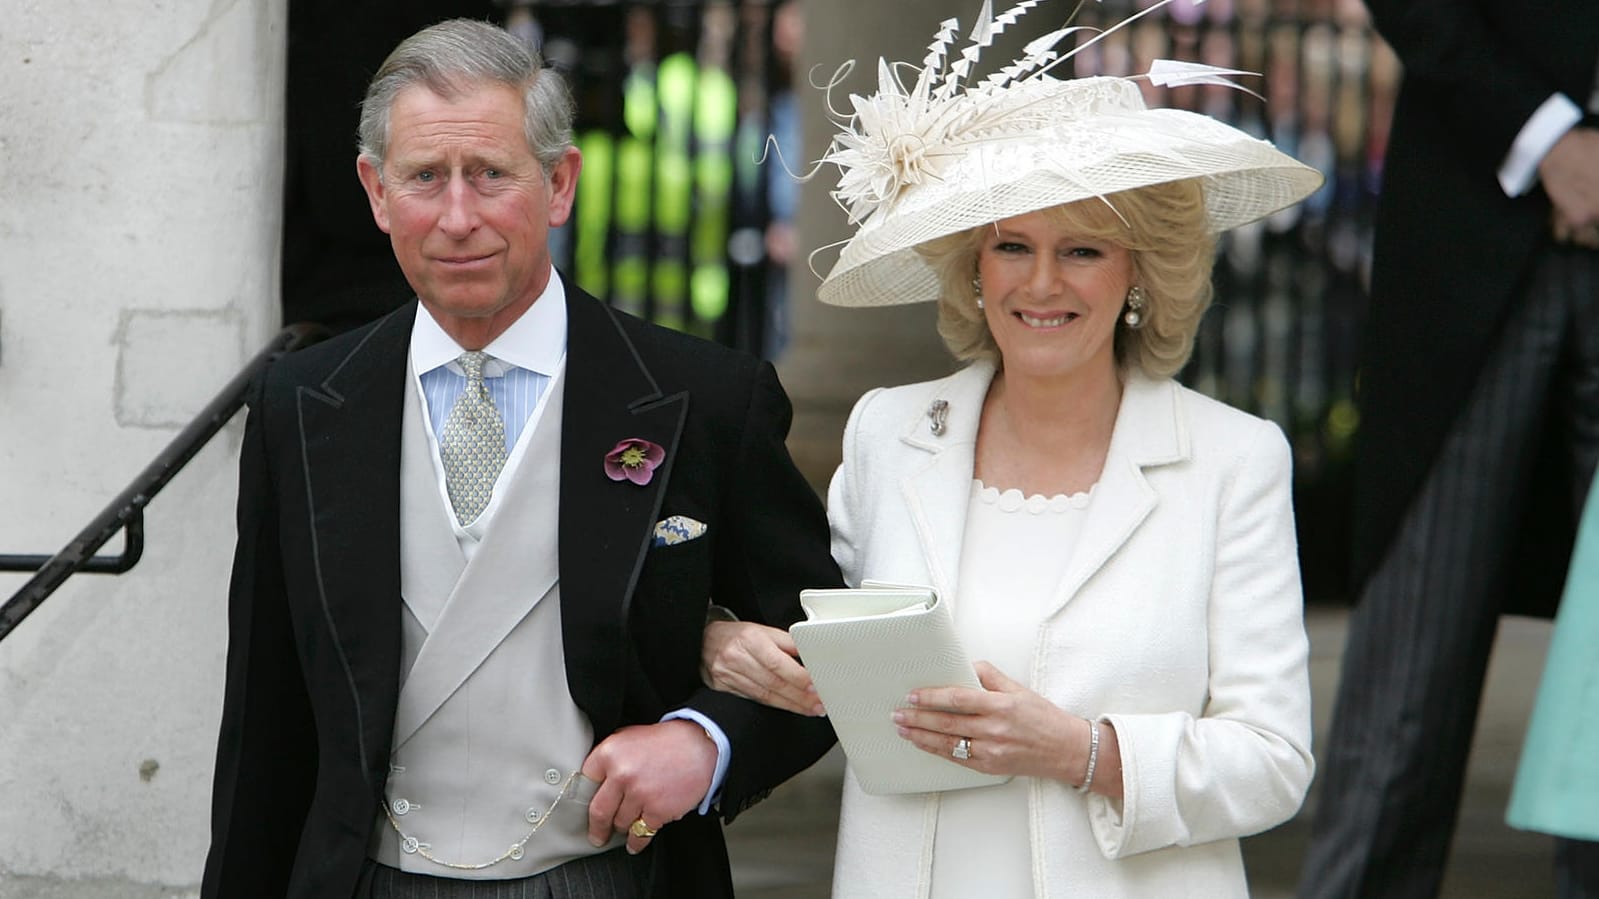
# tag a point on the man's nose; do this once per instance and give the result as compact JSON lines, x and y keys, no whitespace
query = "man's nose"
{"x":459,"y":216}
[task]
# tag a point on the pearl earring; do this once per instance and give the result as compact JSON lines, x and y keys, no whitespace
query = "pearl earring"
{"x":977,"y":288}
{"x":1136,"y":301}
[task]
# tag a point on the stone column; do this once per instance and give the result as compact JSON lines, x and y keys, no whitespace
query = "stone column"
{"x":140,"y":149}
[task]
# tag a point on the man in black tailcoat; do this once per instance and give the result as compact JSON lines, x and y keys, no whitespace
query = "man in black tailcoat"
{"x":1479,"y":401}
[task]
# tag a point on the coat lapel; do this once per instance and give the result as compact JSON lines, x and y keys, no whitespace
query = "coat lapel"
{"x":350,"y":444}
{"x":605,"y":526}
{"x":937,"y":491}
{"x":1148,"y":432}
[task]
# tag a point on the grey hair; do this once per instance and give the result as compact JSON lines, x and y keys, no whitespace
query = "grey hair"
{"x":451,"y":58}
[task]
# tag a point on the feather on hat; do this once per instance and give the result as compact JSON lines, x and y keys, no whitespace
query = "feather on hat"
{"x":944,"y":156}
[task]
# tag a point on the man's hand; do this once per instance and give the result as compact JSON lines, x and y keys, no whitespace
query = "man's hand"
{"x":1570,"y":175}
{"x":657,"y":772}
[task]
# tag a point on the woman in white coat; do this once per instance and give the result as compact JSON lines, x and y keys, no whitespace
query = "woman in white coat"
{"x":1118,"y":549}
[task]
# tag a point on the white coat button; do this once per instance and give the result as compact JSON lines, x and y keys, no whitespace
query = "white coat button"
{"x":401,"y":806}
{"x":552,"y":777}
{"x":533,"y":815}
{"x":516,"y":853}
{"x":409,"y":845}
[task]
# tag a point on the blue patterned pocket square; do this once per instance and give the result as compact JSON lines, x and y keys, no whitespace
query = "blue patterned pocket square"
{"x":677,"y":529}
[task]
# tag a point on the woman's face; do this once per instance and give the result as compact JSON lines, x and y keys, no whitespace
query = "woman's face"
{"x":1052,"y":298}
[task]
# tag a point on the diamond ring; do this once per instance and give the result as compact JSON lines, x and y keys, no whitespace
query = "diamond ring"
{"x":963,"y":749}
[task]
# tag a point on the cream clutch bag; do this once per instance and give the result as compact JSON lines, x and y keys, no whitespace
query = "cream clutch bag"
{"x":866,"y":649}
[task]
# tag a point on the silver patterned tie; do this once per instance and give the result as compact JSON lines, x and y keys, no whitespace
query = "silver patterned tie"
{"x":473,"y":443}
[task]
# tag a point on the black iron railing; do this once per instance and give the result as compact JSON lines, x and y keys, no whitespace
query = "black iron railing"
{"x":126,"y":512}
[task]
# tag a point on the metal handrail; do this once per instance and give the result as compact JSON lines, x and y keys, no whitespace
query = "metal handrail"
{"x":126,"y":512}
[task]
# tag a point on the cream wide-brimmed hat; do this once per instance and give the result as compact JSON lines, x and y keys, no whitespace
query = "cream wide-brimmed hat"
{"x":943,"y":157}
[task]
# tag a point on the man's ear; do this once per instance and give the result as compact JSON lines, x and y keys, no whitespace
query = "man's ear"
{"x":563,"y":186}
{"x":372,"y":180}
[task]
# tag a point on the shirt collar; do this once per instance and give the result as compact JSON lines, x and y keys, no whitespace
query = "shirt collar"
{"x":536,"y":341}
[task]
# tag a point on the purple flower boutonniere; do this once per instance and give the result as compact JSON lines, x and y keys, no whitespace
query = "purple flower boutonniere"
{"x":634,"y":460}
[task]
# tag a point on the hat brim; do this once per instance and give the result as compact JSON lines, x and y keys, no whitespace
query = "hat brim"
{"x":1243,"y":179}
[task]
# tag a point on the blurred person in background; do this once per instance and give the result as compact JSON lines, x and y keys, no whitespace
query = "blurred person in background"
{"x":1557,"y":783}
{"x":1479,"y":417}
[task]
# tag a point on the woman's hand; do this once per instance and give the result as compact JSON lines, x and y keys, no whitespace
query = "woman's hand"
{"x":1011,"y":731}
{"x":757,"y":662}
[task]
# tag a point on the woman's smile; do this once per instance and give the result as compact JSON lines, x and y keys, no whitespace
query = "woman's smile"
{"x":1046,"y":322}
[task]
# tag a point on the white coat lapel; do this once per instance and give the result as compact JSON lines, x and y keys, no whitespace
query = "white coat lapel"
{"x":1148,"y":432}
{"x":513,"y":570}
{"x":938,"y":490}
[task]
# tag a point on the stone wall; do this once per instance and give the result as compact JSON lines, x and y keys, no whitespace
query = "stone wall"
{"x":140,"y":146}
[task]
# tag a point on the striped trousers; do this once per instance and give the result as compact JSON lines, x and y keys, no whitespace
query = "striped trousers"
{"x":609,"y":875}
{"x":1420,"y":637}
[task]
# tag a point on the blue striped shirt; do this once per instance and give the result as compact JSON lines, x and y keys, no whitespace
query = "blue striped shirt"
{"x":523,"y":360}
{"x":515,"y":391}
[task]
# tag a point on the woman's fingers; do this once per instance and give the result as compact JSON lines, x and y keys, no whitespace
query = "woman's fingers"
{"x":944,"y":722}
{"x":962,"y":700}
{"x":996,"y":680}
{"x":981,"y":754}
{"x":789,"y":686}
{"x":759,"y":663}
{"x":1009,"y":728}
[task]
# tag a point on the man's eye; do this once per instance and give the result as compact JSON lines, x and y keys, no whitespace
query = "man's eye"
{"x":425,"y":177}
{"x":491,"y":173}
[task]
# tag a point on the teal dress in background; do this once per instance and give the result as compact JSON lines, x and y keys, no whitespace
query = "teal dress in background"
{"x":1557,"y":781}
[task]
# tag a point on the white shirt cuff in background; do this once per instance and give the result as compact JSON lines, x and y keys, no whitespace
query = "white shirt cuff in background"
{"x":1519,"y":172}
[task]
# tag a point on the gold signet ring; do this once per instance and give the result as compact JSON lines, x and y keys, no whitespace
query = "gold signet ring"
{"x":640,"y":829}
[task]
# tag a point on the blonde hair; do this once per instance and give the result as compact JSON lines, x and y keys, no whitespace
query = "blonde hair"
{"x":1165,"y":227}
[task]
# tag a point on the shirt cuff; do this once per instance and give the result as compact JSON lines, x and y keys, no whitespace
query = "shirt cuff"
{"x":1519,"y":171}
{"x":724,"y":753}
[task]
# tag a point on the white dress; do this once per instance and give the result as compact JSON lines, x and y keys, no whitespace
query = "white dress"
{"x":1015,"y":551}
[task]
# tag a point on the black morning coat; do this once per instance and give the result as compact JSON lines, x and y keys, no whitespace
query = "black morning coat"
{"x":313,"y":665}
{"x":1452,"y":253}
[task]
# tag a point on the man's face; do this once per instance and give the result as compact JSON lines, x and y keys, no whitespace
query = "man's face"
{"x":467,"y":206}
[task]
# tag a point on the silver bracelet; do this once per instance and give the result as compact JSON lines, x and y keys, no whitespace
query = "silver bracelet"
{"x":1093,"y":757}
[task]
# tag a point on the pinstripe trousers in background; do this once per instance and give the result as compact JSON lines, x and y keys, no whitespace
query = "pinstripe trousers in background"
{"x":1420,"y":637}
{"x":609,"y":875}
